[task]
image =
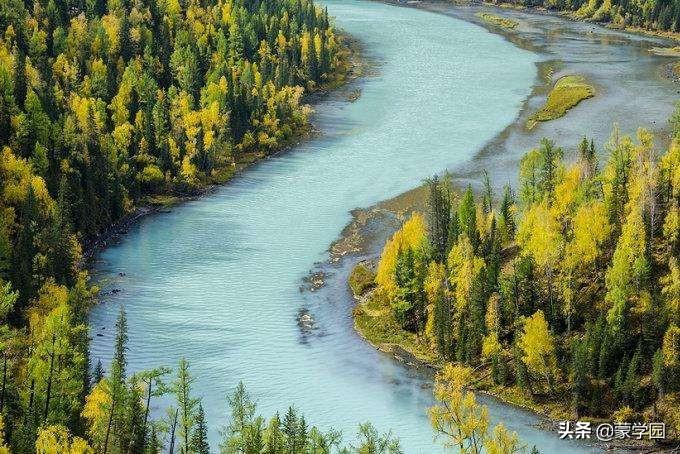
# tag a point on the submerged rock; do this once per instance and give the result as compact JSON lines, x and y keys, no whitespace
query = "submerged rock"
{"x":305,"y":321}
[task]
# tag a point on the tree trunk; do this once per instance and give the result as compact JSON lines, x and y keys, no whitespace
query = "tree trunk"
{"x":148,"y":403}
{"x":172,"y":433}
{"x":31,"y":397}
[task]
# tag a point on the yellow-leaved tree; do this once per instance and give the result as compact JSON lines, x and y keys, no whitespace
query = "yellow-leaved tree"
{"x":590,"y":230}
{"x":57,"y":440}
{"x":538,"y":348}
{"x":540,"y":236}
{"x":411,"y":235}
{"x":97,"y":412}
{"x":461,"y":421}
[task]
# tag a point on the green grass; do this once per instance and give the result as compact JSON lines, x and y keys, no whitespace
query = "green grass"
{"x":375,"y":322}
{"x":567,"y":93}
{"x":498,"y":21}
{"x":361,"y":279}
{"x":666,"y":51}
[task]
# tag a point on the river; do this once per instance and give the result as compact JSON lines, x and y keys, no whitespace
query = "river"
{"x":218,"y":280}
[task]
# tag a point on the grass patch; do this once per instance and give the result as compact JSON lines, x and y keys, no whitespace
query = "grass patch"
{"x":567,"y":93}
{"x":498,"y":21}
{"x":361,"y":279}
{"x":375,"y":322}
{"x":161,"y":200}
{"x":666,"y":51}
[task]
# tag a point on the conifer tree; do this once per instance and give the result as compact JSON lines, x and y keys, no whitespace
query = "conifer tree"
{"x":199,"y":439}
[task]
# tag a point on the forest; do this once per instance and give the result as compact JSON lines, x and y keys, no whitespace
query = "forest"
{"x":103,"y":103}
{"x":564,"y":296}
{"x":649,"y":14}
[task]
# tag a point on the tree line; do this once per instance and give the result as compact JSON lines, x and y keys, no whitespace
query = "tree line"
{"x":102,"y":103}
{"x":649,"y":14}
{"x":117,"y":415}
{"x":568,"y":291}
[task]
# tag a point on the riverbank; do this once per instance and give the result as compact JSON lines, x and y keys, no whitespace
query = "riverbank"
{"x":355,"y":66}
{"x":374,"y":323}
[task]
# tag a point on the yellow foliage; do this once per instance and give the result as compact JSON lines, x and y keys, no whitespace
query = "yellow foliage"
{"x":624,"y":414}
{"x":671,"y":225}
{"x":6,"y":58}
{"x":462,"y":421}
{"x":111,"y":25}
{"x":539,"y":236}
{"x":122,"y":135}
{"x":459,"y":418}
{"x":434,"y":286}
{"x":671,"y":346}
{"x":491,"y":346}
{"x":226,"y":12}
{"x":492,"y":316}
{"x":591,"y":229}
{"x":96,"y":411}
{"x":464,"y":269}
{"x":566,"y":192}
{"x":57,"y":440}
{"x":538,"y":347}
{"x":16,"y":175}
{"x":317,"y":45}
{"x":411,"y":235}
{"x":188,"y":171}
{"x":503,"y":441}
{"x":305,"y":41}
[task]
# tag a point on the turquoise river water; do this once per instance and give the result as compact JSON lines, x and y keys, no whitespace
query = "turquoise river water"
{"x":217,"y":280}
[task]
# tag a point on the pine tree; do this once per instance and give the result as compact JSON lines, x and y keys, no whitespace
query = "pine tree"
{"x":199,"y":439}
{"x":187,"y":405}
{"x":118,"y":388}
{"x":439,"y":217}
{"x":135,"y":418}
{"x":290,"y":430}
{"x":487,"y":194}
{"x":506,"y":215}
{"x":20,"y":77}
{"x":98,"y":372}
{"x":467,"y":218}
{"x":24,"y":278}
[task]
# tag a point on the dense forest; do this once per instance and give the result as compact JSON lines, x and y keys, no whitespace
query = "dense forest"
{"x":649,"y":14}
{"x":101,"y":103}
{"x":567,"y":293}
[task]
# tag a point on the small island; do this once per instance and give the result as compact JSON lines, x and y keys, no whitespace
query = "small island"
{"x":567,"y":92}
{"x":498,"y":21}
